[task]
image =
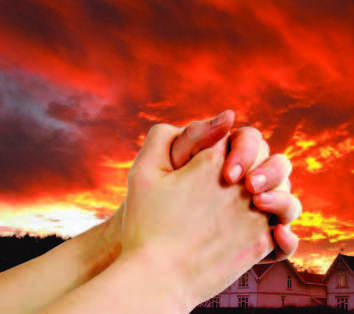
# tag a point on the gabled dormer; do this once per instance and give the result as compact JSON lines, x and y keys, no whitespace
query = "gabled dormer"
{"x":339,"y":273}
{"x":340,"y":282}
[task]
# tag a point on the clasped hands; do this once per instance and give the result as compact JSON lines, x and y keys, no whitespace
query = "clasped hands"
{"x":184,"y":203}
{"x":192,"y":222}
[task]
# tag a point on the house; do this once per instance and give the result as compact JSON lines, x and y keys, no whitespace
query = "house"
{"x":272,"y":285}
{"x":339,"y":279}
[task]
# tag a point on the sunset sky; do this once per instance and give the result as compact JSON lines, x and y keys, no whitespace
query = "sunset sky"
{"x":81,"y":83}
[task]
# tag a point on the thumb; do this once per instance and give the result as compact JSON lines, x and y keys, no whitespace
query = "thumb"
{"x":154,"y":156}
{"x":210,"y":160}
{"x":199,"y":135}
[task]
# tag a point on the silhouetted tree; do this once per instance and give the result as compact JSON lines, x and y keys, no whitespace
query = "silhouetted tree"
{"x":15,"y":250}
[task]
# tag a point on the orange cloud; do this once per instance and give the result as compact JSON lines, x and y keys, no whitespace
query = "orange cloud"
{"x":81,"y":83}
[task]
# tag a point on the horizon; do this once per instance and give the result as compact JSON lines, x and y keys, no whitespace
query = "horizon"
{"x":299,"y":268}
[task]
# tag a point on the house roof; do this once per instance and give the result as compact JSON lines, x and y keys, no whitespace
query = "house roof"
{"x":311,"y":277}
{"x":306,"y":277}
{"x":349,"y":260}
{"x":260,"y":269}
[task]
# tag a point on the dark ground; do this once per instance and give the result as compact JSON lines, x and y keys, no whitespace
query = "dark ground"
{"x":17,"y":250}
{"x":287,"y":310}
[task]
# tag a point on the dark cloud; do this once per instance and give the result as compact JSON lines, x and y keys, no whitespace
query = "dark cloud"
{"x":35,"y":159}
{"x":321,"y":117}
{"x":38,"y":23}
{"x":111,"y":66}
{"x":62,"y":111}
{"x":106,"y":13}
{"x":308,"y":12}
{"x":40,"y":150}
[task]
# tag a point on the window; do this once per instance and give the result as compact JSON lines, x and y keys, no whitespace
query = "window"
{"x":243,"y":281}
{"x":215,"y":302}
{"x":342,"y":303}
{"x":342,"y":279}
{"x":289,"y":282}
{"x":283,"y":301}
{"x":243,"y":302}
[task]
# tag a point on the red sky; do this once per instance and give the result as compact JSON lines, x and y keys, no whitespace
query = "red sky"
{"x":81,"y":83}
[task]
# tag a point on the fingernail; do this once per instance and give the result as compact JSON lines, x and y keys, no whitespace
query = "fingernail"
{"x":266,"y":197}
{"x":258,"y":181}
{"x":235,"y":172}
{"x":219,"y":119}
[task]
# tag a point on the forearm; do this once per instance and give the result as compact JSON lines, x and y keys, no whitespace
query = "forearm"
{"x":137,"y":283}
{"x":34,"y":284}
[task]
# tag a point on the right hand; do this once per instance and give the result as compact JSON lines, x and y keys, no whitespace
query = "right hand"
{"x":190,"y":218}
{"x":250,"y":151}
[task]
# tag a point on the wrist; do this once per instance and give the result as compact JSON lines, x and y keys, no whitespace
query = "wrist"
{"x":161,"y":276}
{"x":138,"y":282}
{"x":98,"y":247}
{"x":110,"y":234}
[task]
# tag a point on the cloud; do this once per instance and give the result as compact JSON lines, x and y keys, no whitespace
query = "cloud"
{"x":82,"y":82}
{"x":41,"y":149}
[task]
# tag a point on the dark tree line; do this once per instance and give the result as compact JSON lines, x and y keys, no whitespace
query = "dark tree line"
{"x":16,"y":250}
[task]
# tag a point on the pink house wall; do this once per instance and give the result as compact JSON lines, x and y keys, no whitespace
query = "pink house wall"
{"x":334,"y":292}
{"x":271,"y":288}
{"x":229,"y":297}
{"x":274,"y":285}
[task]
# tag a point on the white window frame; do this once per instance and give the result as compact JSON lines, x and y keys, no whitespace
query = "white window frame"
{"x":342,"y":302}
{"x":243,"y":281}
{"x":342,"y":279}
{"x":290,"y":282}
{"x":215,"y":302}
{"x":243,"y":300}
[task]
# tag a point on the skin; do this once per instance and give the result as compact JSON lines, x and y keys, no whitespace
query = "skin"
{"x":186,"y":235}
{"x":76,"y":261}
{"x":248,"y":150}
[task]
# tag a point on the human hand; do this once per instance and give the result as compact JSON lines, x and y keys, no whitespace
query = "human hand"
{"x":251,"y":152}
{"x":169,"y":251}
{"x":190,"y":219}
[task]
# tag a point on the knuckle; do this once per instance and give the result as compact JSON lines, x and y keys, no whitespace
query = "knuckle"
{"x":192,"y":131}
{"x":215,"y":158}
{"x":193,"y":127}
{"x":283,"y":160}
{"x":211,"y":157}
{"x":251,"y":132}
{"x":157,"y":129}
{"x":137,"y":175}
